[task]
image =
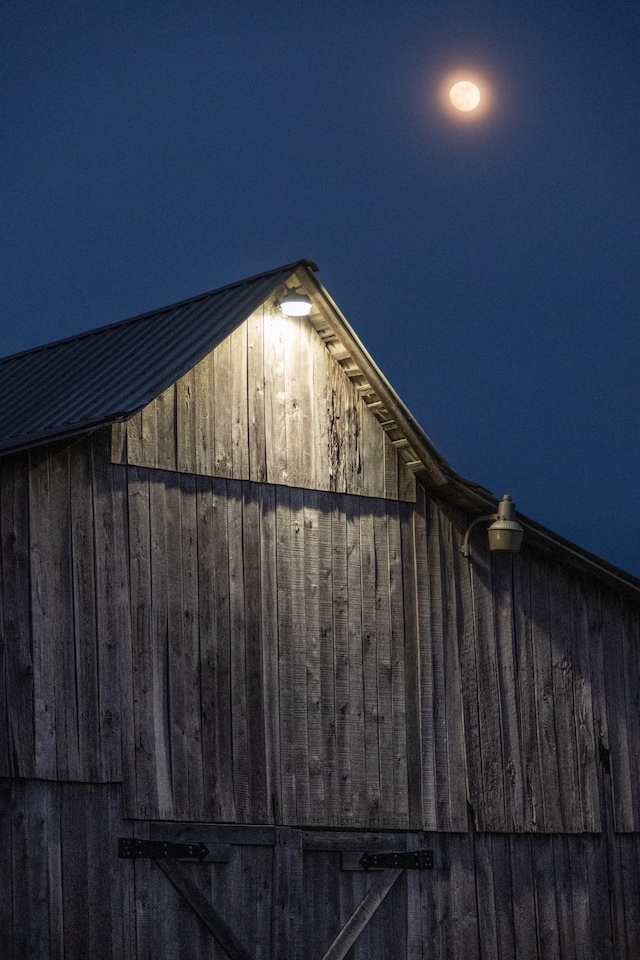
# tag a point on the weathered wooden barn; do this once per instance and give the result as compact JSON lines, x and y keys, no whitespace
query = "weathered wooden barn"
{"x":254,"y":703}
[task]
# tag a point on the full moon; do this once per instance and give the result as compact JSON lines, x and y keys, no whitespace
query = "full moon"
{"x":464,"y":95}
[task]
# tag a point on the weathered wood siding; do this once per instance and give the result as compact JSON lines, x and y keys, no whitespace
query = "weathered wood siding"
{"x":278,"y":674}
{"x":287,"y":893}
{"x":65,"y":612}
{"x":268,"y":404}
{"x":253,"y":652}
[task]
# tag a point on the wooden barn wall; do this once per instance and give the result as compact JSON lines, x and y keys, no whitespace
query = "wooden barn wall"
{"x":550,"y":686}
{"x":269,"y":653}
{"x":288,"y":892}
{"x":65,"y":612}
{"x":268,"y":404}
{"x":278,"y":672}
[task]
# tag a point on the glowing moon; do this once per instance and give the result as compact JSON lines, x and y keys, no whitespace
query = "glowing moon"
{"x":464,"y":95}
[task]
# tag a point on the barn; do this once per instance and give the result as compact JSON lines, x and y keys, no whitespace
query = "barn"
{"x":255,"y":702}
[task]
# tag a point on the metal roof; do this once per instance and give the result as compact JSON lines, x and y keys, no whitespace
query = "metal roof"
{"x":110,"y":373}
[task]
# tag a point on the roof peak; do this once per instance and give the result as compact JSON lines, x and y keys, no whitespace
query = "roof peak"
{"x":158,"y":311}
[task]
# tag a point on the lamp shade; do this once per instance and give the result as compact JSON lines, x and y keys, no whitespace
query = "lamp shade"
{"x":295,"y":304}
{"x":505,"y":533}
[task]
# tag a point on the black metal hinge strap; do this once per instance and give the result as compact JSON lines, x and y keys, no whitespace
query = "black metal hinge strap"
{"x":131,"y":849}
{"x":414,"y":860}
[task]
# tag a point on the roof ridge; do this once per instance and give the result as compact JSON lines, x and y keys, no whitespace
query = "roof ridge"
{"x":159,"y":310}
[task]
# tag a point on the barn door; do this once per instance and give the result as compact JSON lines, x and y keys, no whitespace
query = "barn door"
{"x":270,"y":894}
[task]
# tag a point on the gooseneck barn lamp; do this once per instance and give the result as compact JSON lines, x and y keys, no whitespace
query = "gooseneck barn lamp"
{"x":505,"y":533}
{"x":295,"y":304}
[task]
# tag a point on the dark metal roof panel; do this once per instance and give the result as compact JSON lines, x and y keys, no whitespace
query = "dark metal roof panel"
{"x":108,"y":374}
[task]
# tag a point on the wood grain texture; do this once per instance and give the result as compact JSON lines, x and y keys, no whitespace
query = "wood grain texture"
{"x":19,"y":751}
{"x":283,"y":892}
{"x":361,"y":916}
{"x":268,"y":653}
{"x":268,"y":404}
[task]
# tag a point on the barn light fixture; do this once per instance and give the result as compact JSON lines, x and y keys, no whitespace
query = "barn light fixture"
{"x":295,"y":304}
{"x":505,"y":533}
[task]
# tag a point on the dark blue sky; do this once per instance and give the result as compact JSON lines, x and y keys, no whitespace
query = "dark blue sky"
{"x":154,"y":149}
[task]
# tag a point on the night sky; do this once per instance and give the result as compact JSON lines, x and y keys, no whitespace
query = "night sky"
{"x":151,"y":150}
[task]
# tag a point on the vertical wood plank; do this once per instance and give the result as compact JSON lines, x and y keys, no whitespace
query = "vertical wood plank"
{"x":206,"y":586}
{"x":142,"y":693}
{"x":239,"y":706}
{"x":429,"y":609}
{"x":75,"y":871}
{"x":622,"y":777}
{"x":390,"y":455}
{"x":564,"y":903}
{"x":370,"y":662}
{"x":187,"y":406}
{"x":450,"y":537}
{"x":305,"y":398}
{"x":630,"y":635}
{"x":341,"y":658}
{"x":548,"y":940}
{"x":398,"y":667}
{"x":382,"y":606}
{"x":99,"y":853}
{"x":204,"y":416}
{"x":503,"y":894}
{"x":55,"y":701}
{"x":84,"y":608}
{"x":533,"y":812}
{"x":285,"y":654}
{"x":62,"y":616}
{"x":356,"y":694}
{"x":412,"y":668}
{"x":239,"y":410}
{"x":15,"y":591}
{"x":524,"y":906}
{"x":269,"y":627}
{"x":191,"y":649}
{"x":327,"y":674}
{"x":406,"y":482}
{"x":322,"y":404}
{"x":551,"y":815}
{"x":583,"y":705}
{"x":294,"y":393}
{"x":313,"y":657}
{"x":288,"y":891}
{"x":630,"y":888}
{"x":299,"y":658}
{"x":177,"y":698}
{"x":118,"y":451}
{"x":134,"y":439}
{"x":470,"y":683}
{"x":222,"y":401}
{"x":504,"y":625}
{"x":215,"y":647}
{"x":372,"y":480}
{"x":167,"y":429}
{"x":340,"y":439}
{"x":120,"y":877}
{"x":488,"y":924}
{"x":163,"y":610}
{"x":256,"y":396}
{"x":254,"y":664}
{"x":113,"y":623}
{"x":489,"y":691}
{"x":149,"y":435}
{"x":274,"y":396}
{"x":464,"y":908}
{"x":563,"y":682}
